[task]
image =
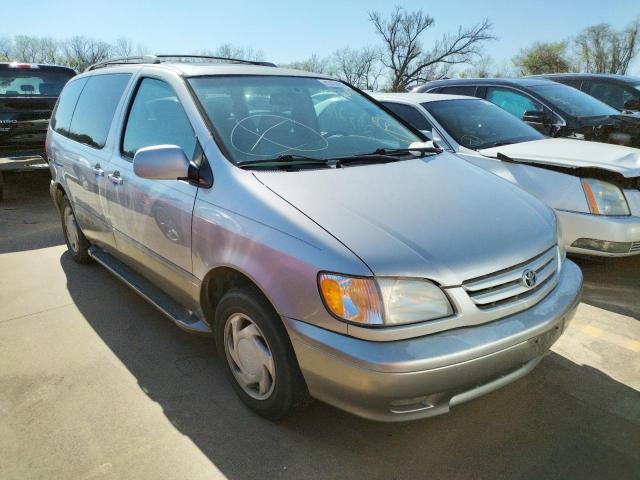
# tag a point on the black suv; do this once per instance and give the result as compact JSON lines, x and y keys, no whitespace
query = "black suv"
{"x":554,"y":109}
{"x":621,"y":92}
{"x":28,"y":93}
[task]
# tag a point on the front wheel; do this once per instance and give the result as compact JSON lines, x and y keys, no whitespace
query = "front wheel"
{"x":258,"y":357}
{"x":77,"y":243}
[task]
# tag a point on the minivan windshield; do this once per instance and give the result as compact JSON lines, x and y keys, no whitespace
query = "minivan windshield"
{"x":573,"y":101}
{"x":478,"y":124}
{"x":261,"y":118}
{"x":32,"y":82}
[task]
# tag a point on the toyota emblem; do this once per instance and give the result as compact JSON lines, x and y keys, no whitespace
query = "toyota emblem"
{"x":529,"y":278}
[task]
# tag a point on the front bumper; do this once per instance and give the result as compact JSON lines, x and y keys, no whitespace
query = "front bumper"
{"x":425,"y":376}
{"x":623,"y":231}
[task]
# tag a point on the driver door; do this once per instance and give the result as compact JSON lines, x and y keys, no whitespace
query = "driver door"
{"x":152,"y":218}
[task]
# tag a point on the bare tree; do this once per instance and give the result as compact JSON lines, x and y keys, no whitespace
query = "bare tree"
{"x":602,"y":49}
{"x":122,"y":47}
{"x":228,"y":50}
{"x":405,"y":56}
{"x":25,"y":48}
{"x":361,"y":68}
{"x":314,"y":63}
{"x":6,"y":48}
{"x":81,"y":52}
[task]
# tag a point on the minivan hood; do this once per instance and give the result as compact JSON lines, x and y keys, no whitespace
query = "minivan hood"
{"x":439,"y":217}
{"x":566,"y":152}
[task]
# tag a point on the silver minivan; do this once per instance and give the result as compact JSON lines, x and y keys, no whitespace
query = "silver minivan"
{"x":328,"y":248}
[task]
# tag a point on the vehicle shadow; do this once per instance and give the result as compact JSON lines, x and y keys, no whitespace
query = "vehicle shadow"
{"x":612,"y":283}
{"x":28,"y":218}
{"x":562,"y":421}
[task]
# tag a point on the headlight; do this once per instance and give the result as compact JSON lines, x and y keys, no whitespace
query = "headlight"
{"x":384,"y":301}
{"x":604,"y":198}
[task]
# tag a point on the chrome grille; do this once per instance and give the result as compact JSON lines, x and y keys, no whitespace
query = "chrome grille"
{"x":507,"y":286}
{"x":635,"y":247}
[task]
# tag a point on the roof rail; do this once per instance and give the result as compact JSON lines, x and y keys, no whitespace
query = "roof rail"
{"x":154,"y":59}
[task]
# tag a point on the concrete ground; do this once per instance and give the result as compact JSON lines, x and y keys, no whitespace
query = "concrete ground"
{"x":94,"y":383}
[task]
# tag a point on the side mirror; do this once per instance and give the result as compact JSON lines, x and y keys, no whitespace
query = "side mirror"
{"x":633,"y":105}
{"x":161,"y":162}
{"x":536,"y":116}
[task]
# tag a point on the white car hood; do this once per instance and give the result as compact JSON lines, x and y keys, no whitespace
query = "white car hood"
{"x":567,"y":152}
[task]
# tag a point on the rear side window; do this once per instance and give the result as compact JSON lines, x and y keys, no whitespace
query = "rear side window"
{"x":61,"y":118}
{"x":94,"y":111}
{"x":157,"y":118}
{"x":410,"y":115}
{"x":469,"y":90}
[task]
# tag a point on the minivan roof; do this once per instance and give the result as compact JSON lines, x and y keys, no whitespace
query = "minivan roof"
{"x":202,"y":69}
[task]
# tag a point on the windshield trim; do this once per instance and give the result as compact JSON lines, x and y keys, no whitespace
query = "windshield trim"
{"x":218,"y":139}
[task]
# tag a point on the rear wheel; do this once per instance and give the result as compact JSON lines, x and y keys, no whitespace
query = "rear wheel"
{"x":77,"y":243}
{"x":258,"y":357}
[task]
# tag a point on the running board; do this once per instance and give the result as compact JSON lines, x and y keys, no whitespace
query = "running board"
{"x":182,"y":317}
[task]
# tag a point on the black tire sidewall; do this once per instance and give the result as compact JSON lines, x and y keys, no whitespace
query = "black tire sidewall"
{"x":288,"y":381}
{"x":82,"y":255}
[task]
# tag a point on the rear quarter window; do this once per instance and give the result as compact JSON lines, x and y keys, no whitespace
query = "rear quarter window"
{"x":61,"y":118}
{"x":94,"y":110}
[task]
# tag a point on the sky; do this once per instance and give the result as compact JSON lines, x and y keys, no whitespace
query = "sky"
{"x":293,"y":30}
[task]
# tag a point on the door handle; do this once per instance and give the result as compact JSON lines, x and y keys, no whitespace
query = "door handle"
{"x":97,"y":170}
{"x":115,"y":178}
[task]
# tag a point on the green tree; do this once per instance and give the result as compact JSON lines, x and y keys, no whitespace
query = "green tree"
{"x":543,"y":57}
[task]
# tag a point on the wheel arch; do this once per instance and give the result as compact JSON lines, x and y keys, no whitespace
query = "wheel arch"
{"x":220,"y":280}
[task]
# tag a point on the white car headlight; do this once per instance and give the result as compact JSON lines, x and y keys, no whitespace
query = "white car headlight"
{"x":411,"y":301}
{"x":383,"y":301}
{"x":604,"y":198}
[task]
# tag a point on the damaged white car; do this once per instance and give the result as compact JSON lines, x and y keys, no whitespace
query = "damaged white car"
{"x":593,"y":187}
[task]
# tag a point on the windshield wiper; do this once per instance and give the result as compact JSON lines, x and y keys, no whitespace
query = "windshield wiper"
{"x":406,"y":151}
{"x":385,"y":155}
{"x":284,"y":160}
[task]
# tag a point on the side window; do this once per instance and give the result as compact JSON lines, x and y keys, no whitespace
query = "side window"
{"x":94,"y":111}
{"x":609,"y":93}
{"x":469,"y":90}
{"x":513,"y":102}
{"x":61,"y":118}
{"x":410,"y":115}
{"x":157,"y":118}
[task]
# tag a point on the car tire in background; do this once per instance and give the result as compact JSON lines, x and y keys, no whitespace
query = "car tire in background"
{"x":258,"y":357}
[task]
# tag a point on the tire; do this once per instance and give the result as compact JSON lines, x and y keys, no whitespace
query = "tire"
{"x":77,"y":243}
{"x":270,"y":392}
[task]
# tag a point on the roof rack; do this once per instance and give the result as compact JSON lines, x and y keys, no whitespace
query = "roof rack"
{"x":155,"y":59}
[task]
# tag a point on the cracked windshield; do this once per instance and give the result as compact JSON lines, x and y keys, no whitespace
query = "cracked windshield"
{"x":260,"y":118}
